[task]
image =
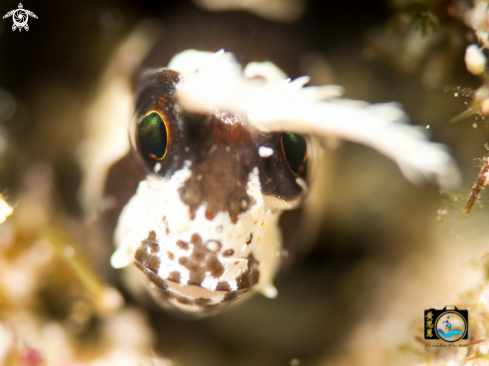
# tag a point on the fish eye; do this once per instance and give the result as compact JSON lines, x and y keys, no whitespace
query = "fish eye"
{"x":152,"y":137}
{"x":295,"y":150}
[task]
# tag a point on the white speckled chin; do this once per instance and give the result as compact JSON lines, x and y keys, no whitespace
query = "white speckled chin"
{"x":157,"y":207}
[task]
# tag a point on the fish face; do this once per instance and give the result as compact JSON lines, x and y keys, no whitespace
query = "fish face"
{"x":203,"y":224}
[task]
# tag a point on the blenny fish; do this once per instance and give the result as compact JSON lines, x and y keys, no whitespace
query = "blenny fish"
{"x":222,"y":152}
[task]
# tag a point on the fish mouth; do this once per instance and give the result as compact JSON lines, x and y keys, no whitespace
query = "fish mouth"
{"x":200,"y":278}
{"x":189,"y":298}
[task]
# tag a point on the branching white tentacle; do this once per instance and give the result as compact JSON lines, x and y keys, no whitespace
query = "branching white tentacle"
{"x":216,"y":82}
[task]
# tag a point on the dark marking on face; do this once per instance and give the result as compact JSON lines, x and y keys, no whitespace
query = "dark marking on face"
{"x":201,"y":260}
{"x":222,"y":155}
{"x":149,"y":259}
{"x":209,"y":214}
{"x":196,"y":239}
{"x":182,"y":245}
{"x":151,"y":236}
{"x":223,"y":286}
{"x":174,"y":276}
{"x":251,"y":276}
{"x":215,"y":267}
{"x":250,"y":239}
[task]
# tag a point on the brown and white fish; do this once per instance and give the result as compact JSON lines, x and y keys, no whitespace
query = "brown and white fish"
{"x":224,"y":152}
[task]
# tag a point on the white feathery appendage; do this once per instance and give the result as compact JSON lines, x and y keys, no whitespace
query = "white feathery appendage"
{"x":379,"y":126}
{"x":216,"y":82}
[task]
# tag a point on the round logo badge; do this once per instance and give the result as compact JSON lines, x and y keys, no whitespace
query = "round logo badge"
{"x":450,"y":326}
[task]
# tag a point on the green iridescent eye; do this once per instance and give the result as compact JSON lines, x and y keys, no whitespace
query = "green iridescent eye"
{"x":295,"y":150}
{"x":152,"y":136}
